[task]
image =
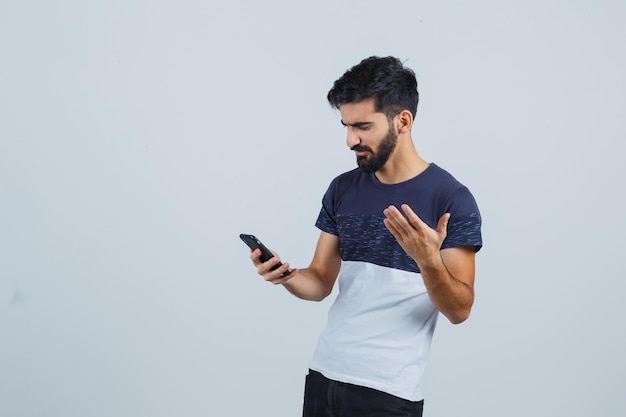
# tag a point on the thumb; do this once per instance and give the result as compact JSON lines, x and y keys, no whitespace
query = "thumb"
{"x":442,"y":225}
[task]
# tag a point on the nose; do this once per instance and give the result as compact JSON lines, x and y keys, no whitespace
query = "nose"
{"x":352,"y":137}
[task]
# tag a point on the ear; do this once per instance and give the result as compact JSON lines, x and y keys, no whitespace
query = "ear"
{"x":404,"y":121}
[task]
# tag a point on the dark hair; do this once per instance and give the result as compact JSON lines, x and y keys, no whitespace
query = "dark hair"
{"x":392,"y":86}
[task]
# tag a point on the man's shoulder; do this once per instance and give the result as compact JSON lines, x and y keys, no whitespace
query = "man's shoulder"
{"x":442,"y":178}
{"x":346,"y":179}
{"x":348,"y":175}
{"x":440,"y":173}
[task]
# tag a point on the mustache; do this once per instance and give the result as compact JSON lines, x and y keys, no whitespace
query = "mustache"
{"x":361,"y":148}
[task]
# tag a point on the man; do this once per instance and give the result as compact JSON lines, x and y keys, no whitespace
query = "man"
{"x":401,"y":235}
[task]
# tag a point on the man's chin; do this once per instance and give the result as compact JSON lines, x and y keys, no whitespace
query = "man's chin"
{"x":366,"y":168}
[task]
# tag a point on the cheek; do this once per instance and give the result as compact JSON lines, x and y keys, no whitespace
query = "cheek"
{"x":373,"y":139}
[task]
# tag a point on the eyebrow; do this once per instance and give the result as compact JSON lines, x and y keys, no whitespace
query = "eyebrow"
{"x":356,"y":124}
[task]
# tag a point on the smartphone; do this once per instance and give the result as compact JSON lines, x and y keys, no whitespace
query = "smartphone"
{"x":254,"y":243}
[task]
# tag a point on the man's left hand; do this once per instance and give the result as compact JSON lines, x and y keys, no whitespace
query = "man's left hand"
{"x":419,"y":240}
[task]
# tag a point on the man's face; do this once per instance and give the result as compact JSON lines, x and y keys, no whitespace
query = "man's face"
{"x":370,"y":135}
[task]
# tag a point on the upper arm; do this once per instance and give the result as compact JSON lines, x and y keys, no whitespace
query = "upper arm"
{"x":326,"y":260}
{"x":460,"y":263}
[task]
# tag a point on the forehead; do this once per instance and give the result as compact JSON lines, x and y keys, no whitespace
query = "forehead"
{"x":361,"y":111}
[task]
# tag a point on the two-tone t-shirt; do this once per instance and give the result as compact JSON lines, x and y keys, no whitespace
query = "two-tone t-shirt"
{"x":381,"y":324}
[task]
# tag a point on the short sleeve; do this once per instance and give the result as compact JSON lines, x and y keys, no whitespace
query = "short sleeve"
{"x":326,"y":220}
{"x":464,"y":226}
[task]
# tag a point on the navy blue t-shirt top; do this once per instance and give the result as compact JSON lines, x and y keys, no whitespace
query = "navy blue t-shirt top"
{"x":353,"y":205}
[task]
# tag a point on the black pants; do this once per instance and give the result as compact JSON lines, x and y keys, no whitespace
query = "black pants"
{"x":324,"y":397}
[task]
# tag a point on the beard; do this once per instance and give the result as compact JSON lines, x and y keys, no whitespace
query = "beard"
{"x":375,"y":160}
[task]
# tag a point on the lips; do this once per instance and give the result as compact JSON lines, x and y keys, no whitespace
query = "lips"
{"x":361,"y":150}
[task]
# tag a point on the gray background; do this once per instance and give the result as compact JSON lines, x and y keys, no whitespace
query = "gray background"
{"x":138,"y":139}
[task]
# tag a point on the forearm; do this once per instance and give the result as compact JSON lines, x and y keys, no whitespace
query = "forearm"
{"x":451,"y":296}
{"x":313,"y":283}
{"x":447,"y":273}
{"x":307,"y":284}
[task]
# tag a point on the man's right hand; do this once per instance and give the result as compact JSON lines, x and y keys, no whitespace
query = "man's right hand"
{"x":264,"y":269}
{"x":313,"y":283}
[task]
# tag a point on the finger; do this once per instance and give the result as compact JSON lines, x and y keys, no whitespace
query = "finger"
{"x":389,"y":225}
{"x":396,"y":219}
{"x":414,"y":219}
{"x":442,"y":225}
{"x":255,"y":256}
{"x":280,"y":278}
{"x":278,"y":275}
{"x":266,"y":267}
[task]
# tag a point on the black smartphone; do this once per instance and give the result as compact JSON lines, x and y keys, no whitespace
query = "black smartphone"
{"x":254,"y":243}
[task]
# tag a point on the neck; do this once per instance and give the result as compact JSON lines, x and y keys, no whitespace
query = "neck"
{"x":403,"y":164}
